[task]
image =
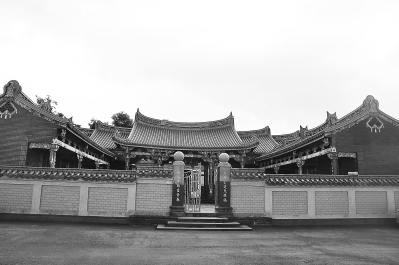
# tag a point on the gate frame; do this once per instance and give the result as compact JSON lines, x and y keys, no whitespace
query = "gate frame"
{"x":192,"y":190}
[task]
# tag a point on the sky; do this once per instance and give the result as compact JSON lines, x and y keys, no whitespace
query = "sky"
{"x":278,"y":63}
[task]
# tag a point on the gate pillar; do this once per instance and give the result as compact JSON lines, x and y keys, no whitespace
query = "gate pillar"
{"x":223,"y":207}
{"x":177,"y":208}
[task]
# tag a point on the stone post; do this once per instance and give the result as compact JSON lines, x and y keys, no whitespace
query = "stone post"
{"x":177,"y":208}
{"x":53,"y":154}
{"x":223,"y":207}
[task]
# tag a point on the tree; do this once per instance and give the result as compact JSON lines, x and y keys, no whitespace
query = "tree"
{"x":92,"y":123}
{"x":122,"y":119}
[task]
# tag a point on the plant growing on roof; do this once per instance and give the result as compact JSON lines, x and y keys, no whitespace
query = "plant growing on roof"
{"x":93,"y":121}
{"x":122,"y":119}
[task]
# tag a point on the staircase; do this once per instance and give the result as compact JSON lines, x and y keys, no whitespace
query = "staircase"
{"x":203,"y":223}
{"x":208,"y":200}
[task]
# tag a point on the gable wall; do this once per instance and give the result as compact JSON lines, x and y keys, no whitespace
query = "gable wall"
{"x":377,"y":153}
{"x":17,"y":131}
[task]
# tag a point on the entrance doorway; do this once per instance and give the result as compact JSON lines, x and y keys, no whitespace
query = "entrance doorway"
{"x":192,"y":189}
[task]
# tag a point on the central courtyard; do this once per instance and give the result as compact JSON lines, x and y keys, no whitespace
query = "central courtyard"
{"x":60,"y":243}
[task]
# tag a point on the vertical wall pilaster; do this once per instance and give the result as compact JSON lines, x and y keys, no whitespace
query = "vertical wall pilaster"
{"x":268,"y":202}
{"x":83,"y":199}
{"x":36,"y":196}
{"x":391,"y":203}
{"x":352,"y":202}
{"x":311,"y":203}
{"x":131,"y":198}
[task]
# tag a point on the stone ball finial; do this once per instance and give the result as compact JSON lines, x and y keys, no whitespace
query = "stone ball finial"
{"x":178,"y":156}
{"x":223,"y":157}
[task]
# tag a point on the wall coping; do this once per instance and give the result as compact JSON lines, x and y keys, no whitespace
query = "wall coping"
{"x":75,"y":174}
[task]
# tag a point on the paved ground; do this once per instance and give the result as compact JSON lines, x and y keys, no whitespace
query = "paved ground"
{"x":54,"y":243}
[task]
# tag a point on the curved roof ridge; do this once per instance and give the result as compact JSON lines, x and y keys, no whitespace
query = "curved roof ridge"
{"x":103,"y":126}
{"x":265,"y":130}
{"x":141,"y":118}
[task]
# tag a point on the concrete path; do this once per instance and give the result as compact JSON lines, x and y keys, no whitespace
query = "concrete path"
{"x":55,"y":243}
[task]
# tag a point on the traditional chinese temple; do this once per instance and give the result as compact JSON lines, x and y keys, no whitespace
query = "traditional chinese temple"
{"x":345,"y":168}
{"x":364,"y":141}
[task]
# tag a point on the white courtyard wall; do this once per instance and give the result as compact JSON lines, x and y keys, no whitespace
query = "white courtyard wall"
{"x":331,"y":202}
{"x":254,"y":198}
{"x":85,"y":198}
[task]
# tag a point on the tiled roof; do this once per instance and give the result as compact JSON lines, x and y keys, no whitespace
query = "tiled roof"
{"x":332,"y":125}
{"x":87,"y":131}
{"x":313,"y":180}
{"x":102,"y":134}
{"x":213,"y":135}
{"x":83,"y":174}
{"x":266,"y":141}
{"x":22,"y":100}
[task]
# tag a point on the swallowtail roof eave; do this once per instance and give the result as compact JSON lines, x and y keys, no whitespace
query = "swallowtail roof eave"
{"x":25,"y":102}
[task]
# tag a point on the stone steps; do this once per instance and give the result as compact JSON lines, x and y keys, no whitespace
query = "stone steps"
{"x":207,"y":200}
{"x":191,"y":214}
{"x":203,"y":223}
{"x":241,"y":228}
{"x":203,"y":219}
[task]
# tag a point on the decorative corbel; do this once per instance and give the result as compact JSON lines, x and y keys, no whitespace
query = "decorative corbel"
{"x":80,"y":159}
{"x":63,"y":135}
{"x":314,"y":149}
{"x":300,"y":162}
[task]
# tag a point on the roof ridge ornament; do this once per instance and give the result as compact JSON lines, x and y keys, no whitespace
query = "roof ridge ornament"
{"x":11,"y":89}
{"x":331,"y":118}
{"x":372,"y":104}
{"x":302,"y":131}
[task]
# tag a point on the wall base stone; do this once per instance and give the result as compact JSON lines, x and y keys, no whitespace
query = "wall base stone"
{"x":64,"y":218}
{"x":176,"y":211}
{"x":224,"y":211}
{"x":334,"y":222}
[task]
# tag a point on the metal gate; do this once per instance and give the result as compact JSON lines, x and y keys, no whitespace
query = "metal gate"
{"x":192,"y":189}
